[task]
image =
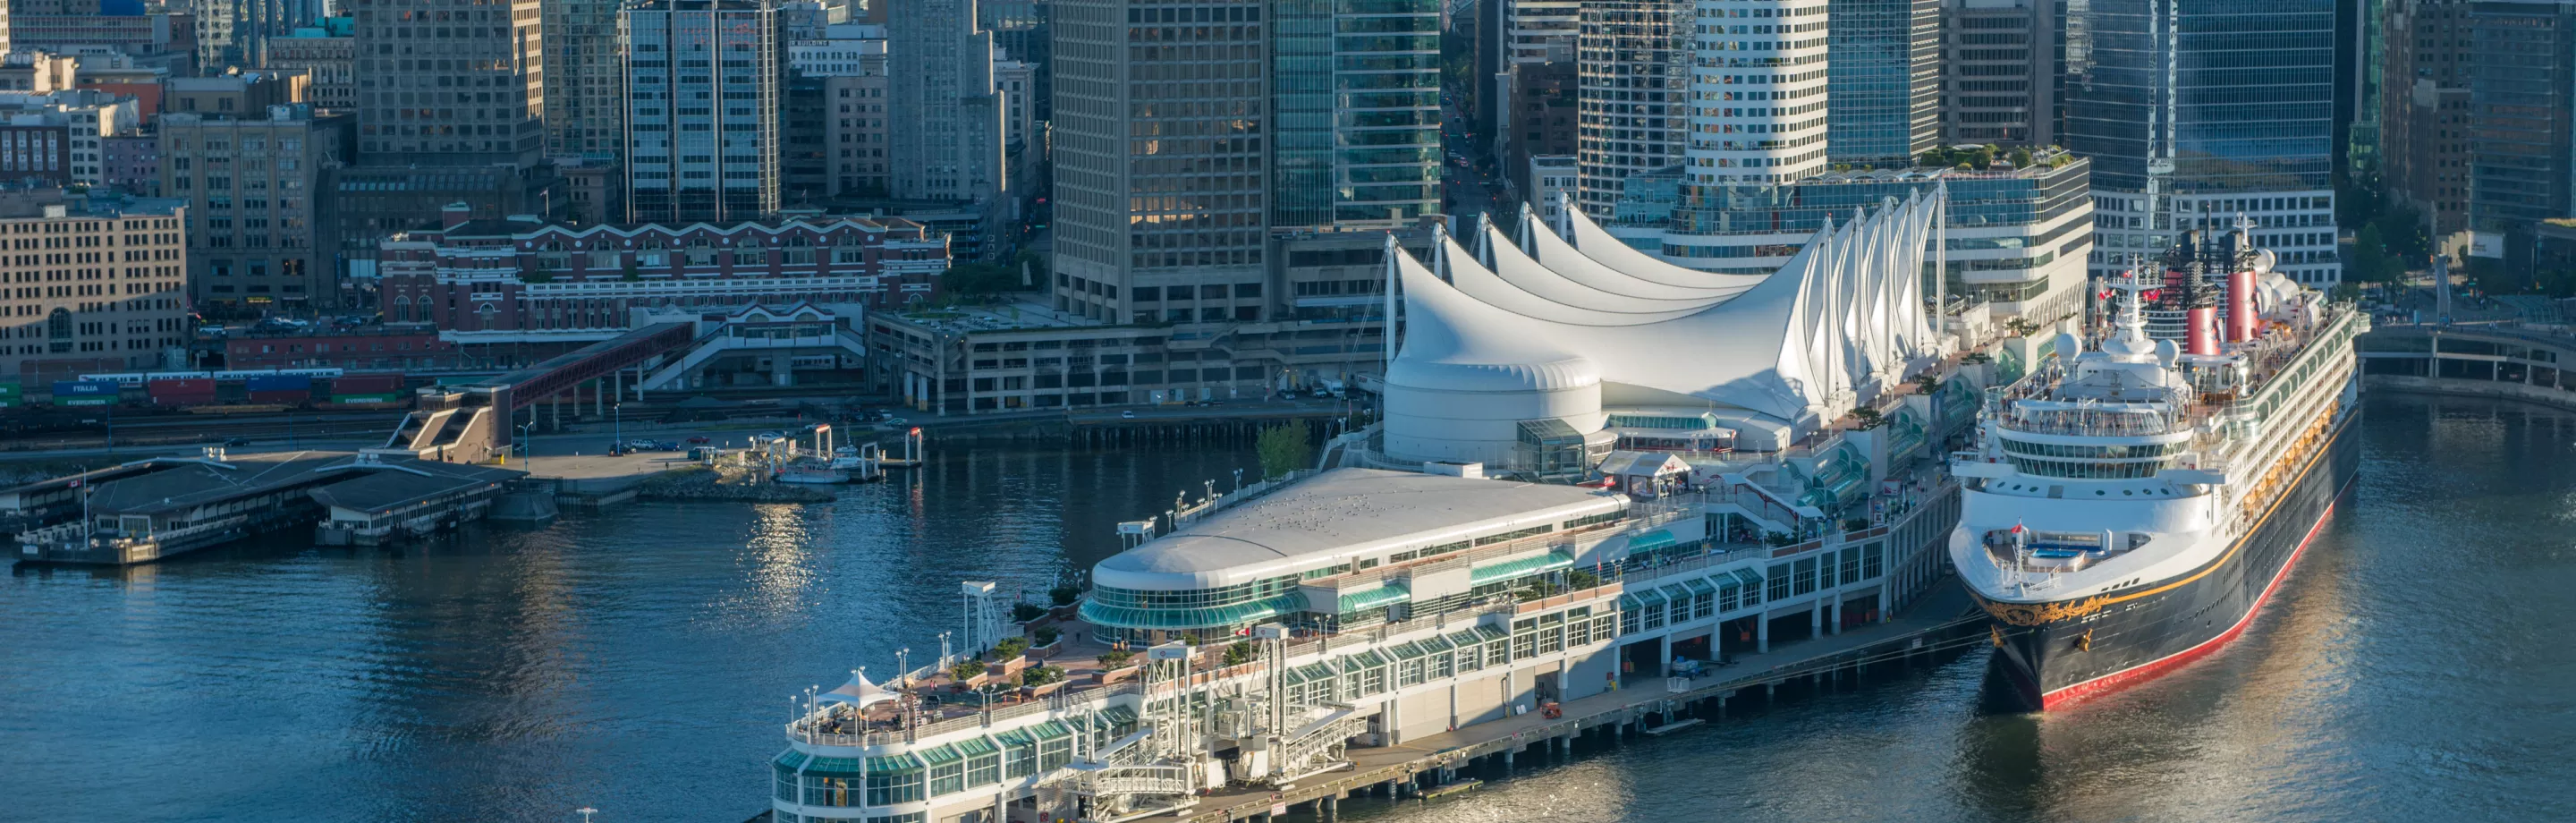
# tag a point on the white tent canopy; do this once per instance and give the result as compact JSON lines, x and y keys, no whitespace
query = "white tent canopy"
{"x":1840,"y":321}
{"x":859,"y":692}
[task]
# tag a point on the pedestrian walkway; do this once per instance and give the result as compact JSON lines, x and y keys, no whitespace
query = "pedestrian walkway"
{"x":1946,"y":608}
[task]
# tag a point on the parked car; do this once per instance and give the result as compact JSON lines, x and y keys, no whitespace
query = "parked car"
{"x":237,"y":441}
{"x":701,"y":440}
{"x":1129,"y":414}
{"x":666,"y":445}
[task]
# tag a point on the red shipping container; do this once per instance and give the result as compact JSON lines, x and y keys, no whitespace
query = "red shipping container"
{"x":367,"y":384}
{"x":286,"y":396}
{"x":196,"y":391}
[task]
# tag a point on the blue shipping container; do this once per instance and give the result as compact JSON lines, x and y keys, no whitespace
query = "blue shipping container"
{"x":66,"y":388}
{"x":277,"y":382}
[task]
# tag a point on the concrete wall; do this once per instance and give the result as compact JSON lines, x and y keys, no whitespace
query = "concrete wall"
{"x":2558,"y":398}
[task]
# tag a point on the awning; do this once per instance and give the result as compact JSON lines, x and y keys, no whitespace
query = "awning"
{"x":1408,"y":651}
{"x":859,"y":691}
{"x":893,"y":764}
{"x":1016,"y":738}
{"x":1656,"y":539}
{"x":1750,"y":577}
{"x":1489,"y":634}
{"x":1630,"y":603}
{"x":1436,"y":644}
{"x":1051,"y":730}
{"x":1676,"y":593}
{"x":1118,"y":715}
{"x":1699,"y":585}
{"x":1554,"y":559}
{"x":1649,"y":597}
{"x":834,"y":767}
{"x":1466,"y":639}
{"x":1727,"y":581}
{"x":1310,"y":673}
{"x":1364,"y":660}
{"x":976,"y":746}
{"x":1386,"y":593}
{"x":791,"y":760}
{"x":940,"y":755}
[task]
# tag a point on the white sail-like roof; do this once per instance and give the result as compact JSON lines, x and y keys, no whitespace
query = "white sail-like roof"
{"x":859,"y":692}
{"x":1552,"y":249}
{"x":1842,"y":318}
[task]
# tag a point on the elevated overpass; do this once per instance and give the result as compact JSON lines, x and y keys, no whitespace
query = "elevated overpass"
{"x":473,"y":422}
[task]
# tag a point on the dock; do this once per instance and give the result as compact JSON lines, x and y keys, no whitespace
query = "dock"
{"x":1944,"y":620}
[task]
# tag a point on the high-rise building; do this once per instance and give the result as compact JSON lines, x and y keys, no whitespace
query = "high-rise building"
{"x":705,"y":81}
{"x":450,"y":82}
{"x":2424,"y":116}
{"x":253,"y":183}
{"x":87,"y":317}
{"x":1632,"y":59}
{"x":328,"y":53}
{"x":2522,"y":118}
{"x":850,"y":61}
{"x":1757,"y":93}
{"x":585,"y":85}
{"x":1544,"y":110}
{"x":1162,"y":123}
{"x":1883,"y":95}
{"x":940,"y":87}
{"x":1999,"y":72}
{"x":2248,"y":129}
{"x":1355,"y":93}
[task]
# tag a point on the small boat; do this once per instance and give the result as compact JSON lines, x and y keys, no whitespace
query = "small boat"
{"x":812,"y":474}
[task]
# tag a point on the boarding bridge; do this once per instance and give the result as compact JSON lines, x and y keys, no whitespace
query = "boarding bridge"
{"x":781,"y":344}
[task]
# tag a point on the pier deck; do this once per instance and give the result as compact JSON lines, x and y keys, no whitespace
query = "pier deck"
{"x":1940,"y":610}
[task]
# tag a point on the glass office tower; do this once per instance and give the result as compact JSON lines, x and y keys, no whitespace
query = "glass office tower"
{"x":2196,"y":111}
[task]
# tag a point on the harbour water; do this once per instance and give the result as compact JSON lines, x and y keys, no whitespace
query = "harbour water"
{"x":2414,"y":668}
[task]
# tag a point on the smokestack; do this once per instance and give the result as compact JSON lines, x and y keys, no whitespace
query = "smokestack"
{"x":2201,"y":333}
{"x":2240,"y":304}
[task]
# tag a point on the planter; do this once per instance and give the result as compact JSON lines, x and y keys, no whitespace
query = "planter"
{"x":1118,"y":674}
{"x":1034,"y":692}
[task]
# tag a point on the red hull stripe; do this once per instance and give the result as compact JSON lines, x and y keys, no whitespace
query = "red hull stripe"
{"x":2149,"y":670}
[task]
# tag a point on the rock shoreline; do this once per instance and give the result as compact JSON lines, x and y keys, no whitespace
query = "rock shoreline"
{"x":708,"y":485}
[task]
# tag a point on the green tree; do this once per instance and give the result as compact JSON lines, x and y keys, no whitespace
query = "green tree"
{"x":1240,"y":653}
{"x":965,"y":670}
{"x":2020,"y":157}
{"x":1284,"y":448}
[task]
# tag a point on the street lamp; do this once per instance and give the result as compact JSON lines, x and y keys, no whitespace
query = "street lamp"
{"x":617,"y":424}
{"x":526,"y":430}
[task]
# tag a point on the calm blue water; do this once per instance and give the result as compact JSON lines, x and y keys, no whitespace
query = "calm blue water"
{"x":2416,"y":666}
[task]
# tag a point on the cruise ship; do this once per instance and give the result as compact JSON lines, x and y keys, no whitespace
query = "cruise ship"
{"x":2130,"y":507}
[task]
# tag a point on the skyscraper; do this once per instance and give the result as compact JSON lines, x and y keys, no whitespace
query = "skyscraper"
{"x":940,"y":88}
{"x":1633,"y":63}
{"x":585,"y":90}
{"x":450,"y":82}
{"x":1355,"y":88}
{"x":1883,"y":101}
{"x":1998,"y":72}
{"x":2196,"y":111}
{"x":2424,"y":116}
{"x":1161,"y":163}
{"x":1757,"y":93}
{"x":2522,"y":122}
{"x":704,"y":80}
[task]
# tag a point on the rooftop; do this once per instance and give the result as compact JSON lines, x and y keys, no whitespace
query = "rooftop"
{"x":1343,"y":512}
{"x":397,"y":483}
{"x":1019,"y":316}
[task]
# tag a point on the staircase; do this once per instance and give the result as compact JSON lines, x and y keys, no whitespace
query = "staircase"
{"x":1319,"y":744}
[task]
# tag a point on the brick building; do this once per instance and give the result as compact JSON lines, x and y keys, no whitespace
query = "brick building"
{"x":90,"y":284}
{"x":513,"y":280}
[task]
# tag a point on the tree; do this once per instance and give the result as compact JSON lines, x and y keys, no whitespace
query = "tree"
{"x":2020,"y":157}
{"x":1284,"y":448}
{"x":1010,"y":648}
{"x":1115,"y":658}
{"x":1240,"y":653}
{"x":965,"y":670}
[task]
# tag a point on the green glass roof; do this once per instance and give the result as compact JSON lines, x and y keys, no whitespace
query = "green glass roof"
{"x":1700,"y":585}
{"x":1364,"y":660}
{"x":833,"y":767}
{"x":1408,"y":651}
{"x":1436,"y":643}
{"x":1554,"y":559}
{"x":1016,"y":738}
{"x":1051,"y":730}
{"x":973,"y":746}
{"x":1488,"y":634}
{"x":1630,"y":603}
{"x":791,"y":760}
{"x":1676,"y":593}
{"x":1214,"y":617}
{"x":894,"y":764}
{"x":1386,"y":593}
{"x":1727,"y":581}
{"x":1466,"y":638}
{"x":1648,"y":597}
{"x":1656,"y":539}
{"x":1750,"y":577}
{"x":940,"y":755}
{"x":1118,"y":715}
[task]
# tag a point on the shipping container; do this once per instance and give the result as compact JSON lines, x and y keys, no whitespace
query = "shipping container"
{"x":284,"y":396}
{"x":85,"y":392}
{"x":277,"y":382}
{"x":189,"y":392}
{"x":9,"y":398}
{"x":367,"y":384}
{"x":365,"y":398}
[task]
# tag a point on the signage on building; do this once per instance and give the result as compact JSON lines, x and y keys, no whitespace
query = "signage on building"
{"x":2486,"y":244}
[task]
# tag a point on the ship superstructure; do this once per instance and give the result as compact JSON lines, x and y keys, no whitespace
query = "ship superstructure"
{"x":2129,"y":506}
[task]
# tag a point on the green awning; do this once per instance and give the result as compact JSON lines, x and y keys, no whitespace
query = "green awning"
{"x":1750,"y":577}
{"x":791,"y":760}
{"x":1364,"y":660}
{"x":1016,"y":738}
{"x":974,"y":746}
{"x":1656,"y":539}
{"x":1466,"y":639}
{"x":1676,"y":593}
{"x":1727,"y":581}
{"x":1630,"y":603}
{"x":1649,"y":597}
{"x":1386,"y":593}
{"x":834,"y":767}
{"x":1214,"y":617}
{"x":940,"y":755}
{"x":1315,"y":671}
{"x":893,"y":764}
{"x":1487,"y":634}
{"x":1051,"y":730}
{"x":1699,"y":585}
{"x":1118,"y":715}
{"x":1408,"y":651}
{"x":1509,"y":569}
{"x":1436,"y":644}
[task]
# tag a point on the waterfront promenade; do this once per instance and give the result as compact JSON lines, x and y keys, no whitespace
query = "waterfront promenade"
{"x":1943,"y":619}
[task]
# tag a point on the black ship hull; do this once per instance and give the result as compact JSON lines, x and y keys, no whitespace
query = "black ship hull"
{"x":2059,"y":653}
